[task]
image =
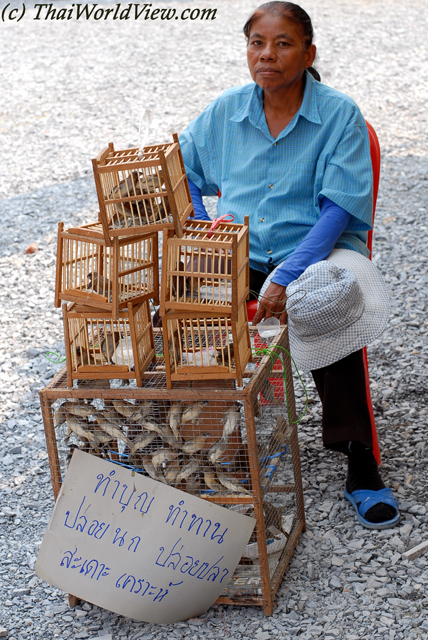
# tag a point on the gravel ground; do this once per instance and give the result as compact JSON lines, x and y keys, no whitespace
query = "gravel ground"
{"x":69,"y":87}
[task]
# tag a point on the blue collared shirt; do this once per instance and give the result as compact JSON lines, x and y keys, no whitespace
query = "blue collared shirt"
{"x":280,"y":183}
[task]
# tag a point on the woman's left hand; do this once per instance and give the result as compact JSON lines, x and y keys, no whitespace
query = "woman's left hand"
{"x":272,"y":303}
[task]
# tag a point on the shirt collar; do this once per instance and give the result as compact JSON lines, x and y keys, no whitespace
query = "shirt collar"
{"x":309,"y":108}
{"x":253,"y":106}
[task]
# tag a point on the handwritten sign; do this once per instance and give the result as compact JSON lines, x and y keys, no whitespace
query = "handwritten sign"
{"x":136,"y":546}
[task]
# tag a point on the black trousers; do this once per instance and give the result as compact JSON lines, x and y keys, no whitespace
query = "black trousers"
{"x":342,"y":389}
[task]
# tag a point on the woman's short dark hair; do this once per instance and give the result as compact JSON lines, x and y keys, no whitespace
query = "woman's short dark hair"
{"x":292,"y":12}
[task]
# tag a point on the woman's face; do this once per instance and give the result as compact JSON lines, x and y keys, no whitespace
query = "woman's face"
{"x":275,"y":53}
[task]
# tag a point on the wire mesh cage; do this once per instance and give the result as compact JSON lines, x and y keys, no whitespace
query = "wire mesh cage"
{"x":90,"y":272}
{"x":206,"y":270}
{"x":217,"y":442}
{"x":142,"y":193}
{"x":206,"y":347}
{"x":98,"y":346}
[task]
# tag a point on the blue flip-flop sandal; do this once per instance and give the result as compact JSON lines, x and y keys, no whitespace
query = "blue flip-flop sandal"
{"x":363,"y":499}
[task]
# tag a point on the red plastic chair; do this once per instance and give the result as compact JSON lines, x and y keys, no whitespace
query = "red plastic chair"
{"x":376,"y":157}
{"x":252,"y":304}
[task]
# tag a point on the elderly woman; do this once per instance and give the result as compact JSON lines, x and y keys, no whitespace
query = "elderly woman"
{"x":293,"y":154}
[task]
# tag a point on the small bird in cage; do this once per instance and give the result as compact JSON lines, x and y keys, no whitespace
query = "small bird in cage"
{"x":268,"y":392}
{"x":112,"y":430}
{"x":85,"y":431}
{"x":142,"y":441}
{"x":193,"y":484}
{"x":231,"y":419}
{"x":171,"y":471}
{"x":231,"y":483}
{"x":125,"y":408}
{"x":83,"y":357}
{"x":163,"y":455}
{"x":149,"y":468}
{"x":225,"y":354}
{"x":109,"y":344}
{"x":196,"y":444}
{"x":179,"y":286}
{"x":94,"y":384}
{"x":188,"y":470}
{"x":175,"y":347}
{"x":174,"y":418}
{"x":100,"y":284}
{"x":211,"y":482}
{"x":111,"y":415}
{"x":217,"y":450}
{"x":139,"y":212}
{"x":152,"y":425}
{"x":60,"y":416}
{"x":274,"y":517}
{"x":79,"y":409}
{"x":192,"y":412}
{"x":142,"y":410}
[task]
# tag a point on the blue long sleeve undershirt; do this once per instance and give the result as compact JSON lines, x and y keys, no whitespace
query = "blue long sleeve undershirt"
{"x":198,"y":205}
{"x":316,"y":246}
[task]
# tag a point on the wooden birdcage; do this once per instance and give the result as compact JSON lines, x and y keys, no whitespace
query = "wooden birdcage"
{"x":206,"y":347}
{"x":91,"y":272}
{"x":139,"y":195}
{"x":213,"y":440}
{"x":99,"y":347}
{"x":206,"y":270}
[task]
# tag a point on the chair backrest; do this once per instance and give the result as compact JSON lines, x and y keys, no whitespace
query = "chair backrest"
{"x":375,"y":156}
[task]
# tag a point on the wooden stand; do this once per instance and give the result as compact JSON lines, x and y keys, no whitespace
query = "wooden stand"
{"x":139,"y":195}
{"x":263,"y":465}
{"x":105,"y":276}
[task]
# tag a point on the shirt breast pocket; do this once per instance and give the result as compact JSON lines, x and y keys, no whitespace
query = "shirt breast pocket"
{"x":300,"y":180}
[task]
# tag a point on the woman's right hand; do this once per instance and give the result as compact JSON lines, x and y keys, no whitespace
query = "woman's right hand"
{"x":272,"y":303}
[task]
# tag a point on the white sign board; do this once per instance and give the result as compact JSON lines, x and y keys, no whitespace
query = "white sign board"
{"x":136,"y":546}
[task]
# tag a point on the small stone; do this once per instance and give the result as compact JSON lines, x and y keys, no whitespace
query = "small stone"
{"x":15,"y":450}
{"x":21,"y":592}
{"x":417,"y":551}
{"x":335,"y":582}
{"x":32,"y":248}
{"x":418,"y":509}
{"x":3,"y":632}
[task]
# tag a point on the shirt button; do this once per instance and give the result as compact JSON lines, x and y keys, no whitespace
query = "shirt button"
{"x":271,"y":186}
{"x":274,"y":144}
{"x":269,"y":251}
{"x":262,"y":219}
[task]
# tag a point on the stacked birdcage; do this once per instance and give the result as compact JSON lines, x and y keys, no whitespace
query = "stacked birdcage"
{"x":204,"y":288}
{"x":192,"y":412}
{"x":211,"y":439}
{"x":109,"y":270}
